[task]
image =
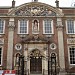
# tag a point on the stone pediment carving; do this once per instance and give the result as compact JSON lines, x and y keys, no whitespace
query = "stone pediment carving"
{"x":35,"y":39}
{"x":35,"y":9}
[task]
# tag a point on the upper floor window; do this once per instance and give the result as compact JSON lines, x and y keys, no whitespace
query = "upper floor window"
{"x":70,"y":26}
{"x":72,"y":55}
{"x":0,"y":55}
{"x":2,"y":25}
{"x":48,"y":26}
{"x":23,"y":26}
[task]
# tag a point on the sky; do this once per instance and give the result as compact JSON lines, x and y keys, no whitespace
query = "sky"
{"x":62,"y":3}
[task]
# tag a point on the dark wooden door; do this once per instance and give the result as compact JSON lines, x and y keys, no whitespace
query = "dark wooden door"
{"x":36,"y":65}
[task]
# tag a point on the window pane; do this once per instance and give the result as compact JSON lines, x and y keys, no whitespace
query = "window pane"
{"x":23,"y":26}
{"x":72,"y":55}
{"x":1,"y":26}
{"x":70,"y":26}
{"x":47,"y":26}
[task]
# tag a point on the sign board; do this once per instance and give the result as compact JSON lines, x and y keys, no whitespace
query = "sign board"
{"x":1,"y":72}
{"x":7,"y":72}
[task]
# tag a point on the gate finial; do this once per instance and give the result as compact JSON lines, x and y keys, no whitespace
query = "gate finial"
{"x":57,"y":3}
{"x":34,"y":0}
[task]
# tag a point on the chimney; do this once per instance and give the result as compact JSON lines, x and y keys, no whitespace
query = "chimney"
{"x":13,"y":4}
{"x":57,"y":3}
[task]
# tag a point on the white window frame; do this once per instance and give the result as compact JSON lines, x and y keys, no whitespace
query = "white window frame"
{"x":19,"y":26}
{"x":3,"y":26}
{"x":1,"y":55}
{"x":51,"y":27}
{"x":67,"y":26}
{"x":69,"y":54}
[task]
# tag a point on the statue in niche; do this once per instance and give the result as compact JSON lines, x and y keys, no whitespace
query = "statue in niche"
{"x":17,"y":59}
{"x":35,"y":26}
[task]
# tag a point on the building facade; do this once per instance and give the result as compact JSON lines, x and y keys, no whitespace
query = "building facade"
{"x":39,"y":32}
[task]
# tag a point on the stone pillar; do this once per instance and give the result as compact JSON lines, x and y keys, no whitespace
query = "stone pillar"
{"x":45,"y":63}
{"x":10,"y":43}
{"x":60,"y":44}
{"x":26,"y":58}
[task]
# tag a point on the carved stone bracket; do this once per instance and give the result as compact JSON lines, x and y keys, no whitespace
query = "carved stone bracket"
{"x":71,"y":41}
{"x":1,"y":41}
{"x":11,"y":25}
{"x":59,"y":25}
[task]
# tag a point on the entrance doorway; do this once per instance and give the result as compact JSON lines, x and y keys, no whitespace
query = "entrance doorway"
{"x":35,"y":62}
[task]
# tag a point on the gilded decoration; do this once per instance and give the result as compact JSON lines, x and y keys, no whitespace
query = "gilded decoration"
{"x":35,"y":11}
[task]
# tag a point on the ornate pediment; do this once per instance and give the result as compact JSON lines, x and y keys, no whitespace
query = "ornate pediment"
{"x":35,"y":9}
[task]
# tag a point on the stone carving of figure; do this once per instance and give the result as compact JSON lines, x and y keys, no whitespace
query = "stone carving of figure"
{"x":35,"y":26}
{"x":17,"y":59}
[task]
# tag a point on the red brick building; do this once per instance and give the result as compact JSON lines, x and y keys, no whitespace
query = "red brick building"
{"x":37,"y":31}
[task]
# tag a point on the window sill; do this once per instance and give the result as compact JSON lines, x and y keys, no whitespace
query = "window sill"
{"x":22,"y":35}
{"x":48,"y":35}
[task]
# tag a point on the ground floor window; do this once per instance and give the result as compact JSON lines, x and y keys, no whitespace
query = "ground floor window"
{"x":0,"y":55}
{"x":72,"y":54}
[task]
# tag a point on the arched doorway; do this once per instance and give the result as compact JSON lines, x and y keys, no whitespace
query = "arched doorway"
{"x":35,"y":62}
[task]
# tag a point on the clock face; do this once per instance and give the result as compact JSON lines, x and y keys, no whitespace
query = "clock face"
{"x":18,"y":46}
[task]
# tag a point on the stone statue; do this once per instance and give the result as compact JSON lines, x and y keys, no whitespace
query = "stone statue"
{"x":35,"y":26}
